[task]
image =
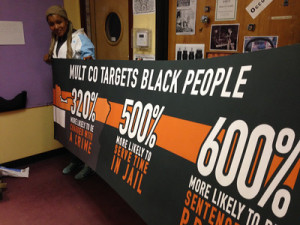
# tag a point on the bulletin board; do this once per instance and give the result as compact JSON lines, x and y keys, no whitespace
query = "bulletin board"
{"x":268,"y":22}
{"x":22,"y":66}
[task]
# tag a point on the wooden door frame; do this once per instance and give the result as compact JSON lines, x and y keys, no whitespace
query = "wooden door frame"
{"x":93,"y":23}
{"x":162,"y":28}
{"x":83,"y":17}
{"x":130,"y":28}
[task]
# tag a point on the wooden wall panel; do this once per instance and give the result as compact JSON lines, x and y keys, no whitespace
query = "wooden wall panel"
{"x":270,"y":22}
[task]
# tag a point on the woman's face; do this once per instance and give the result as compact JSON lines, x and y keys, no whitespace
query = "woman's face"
{"x":58,"y":25}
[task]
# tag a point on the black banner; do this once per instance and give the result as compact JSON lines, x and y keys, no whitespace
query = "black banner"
{"x":212,"y":141}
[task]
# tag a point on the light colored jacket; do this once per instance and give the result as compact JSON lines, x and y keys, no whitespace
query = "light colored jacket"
{"x":81,"y":46}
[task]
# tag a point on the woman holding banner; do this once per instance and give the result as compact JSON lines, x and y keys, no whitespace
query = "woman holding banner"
{"x":69,"y":43}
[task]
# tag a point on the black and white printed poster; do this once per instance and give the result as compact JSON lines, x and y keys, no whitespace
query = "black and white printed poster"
{"x":186,"y":17}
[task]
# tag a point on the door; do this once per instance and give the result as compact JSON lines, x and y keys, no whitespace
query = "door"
{"x":111,"y":25}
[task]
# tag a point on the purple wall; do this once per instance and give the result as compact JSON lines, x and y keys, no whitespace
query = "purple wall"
{"x":22,"y":66}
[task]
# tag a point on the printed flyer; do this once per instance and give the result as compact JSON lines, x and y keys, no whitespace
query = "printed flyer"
{"x":210,"y":141}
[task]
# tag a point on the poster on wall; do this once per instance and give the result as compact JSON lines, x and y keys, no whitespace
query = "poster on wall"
{"x":224,"y":37}
{"x":143,"y":7}
{"x":186,"y":17}
{"x":226,"y":10}
{"x":257,"y":43}
{"x":12,"y":33}
{"x":212,"y":141}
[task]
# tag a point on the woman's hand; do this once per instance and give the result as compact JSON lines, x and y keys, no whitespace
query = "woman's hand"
{"x":88,"y":57}
{"x":47,"y":58}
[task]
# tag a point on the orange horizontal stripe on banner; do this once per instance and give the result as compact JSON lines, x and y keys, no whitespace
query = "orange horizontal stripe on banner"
{"x":64,"y":100}
{"x":114,"y":117}
{"x":102,"y":110}
{"x":181,"y":137}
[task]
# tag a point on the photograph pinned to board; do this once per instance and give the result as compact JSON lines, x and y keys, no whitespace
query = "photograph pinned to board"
{"x":225,"y":10}
{"x":257,"y":43}
{"x":186,"y":17}
{"x":224,"y":37}
{"x":189,"y":51}
{"x":143,"y":6}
